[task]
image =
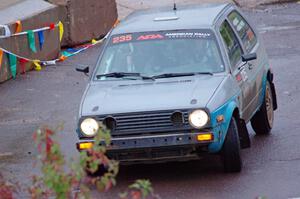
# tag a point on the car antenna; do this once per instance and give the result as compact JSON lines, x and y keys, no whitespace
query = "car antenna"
{"x":175,"y":6}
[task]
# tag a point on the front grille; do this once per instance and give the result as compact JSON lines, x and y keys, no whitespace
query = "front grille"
{"x":146,"y":122}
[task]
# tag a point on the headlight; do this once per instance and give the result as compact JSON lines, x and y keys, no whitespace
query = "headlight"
{"x":89,"y":127}
{"x":198,"y":119}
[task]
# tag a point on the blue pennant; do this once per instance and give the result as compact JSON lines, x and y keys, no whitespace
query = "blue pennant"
{"x":41,"y":39}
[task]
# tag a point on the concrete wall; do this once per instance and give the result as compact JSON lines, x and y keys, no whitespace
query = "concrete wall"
{"x":29,"y":12}
{"x":83,"y":21}
{"x":86,"y":19}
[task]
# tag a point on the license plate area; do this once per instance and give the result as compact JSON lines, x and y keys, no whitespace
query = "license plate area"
{"x":155,"y":141}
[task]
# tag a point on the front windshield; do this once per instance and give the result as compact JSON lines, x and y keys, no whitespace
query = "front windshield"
{"x":155,"y":53}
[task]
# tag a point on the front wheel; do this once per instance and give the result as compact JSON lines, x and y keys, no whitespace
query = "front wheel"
{"x":99,"y":173}
{"x":231,"y":149}
{"x":262,"y":121}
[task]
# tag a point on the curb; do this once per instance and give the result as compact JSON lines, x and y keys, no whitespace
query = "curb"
{"x":256,"y":3}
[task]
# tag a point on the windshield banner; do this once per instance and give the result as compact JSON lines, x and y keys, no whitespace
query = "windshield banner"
{"x":162,"y":35}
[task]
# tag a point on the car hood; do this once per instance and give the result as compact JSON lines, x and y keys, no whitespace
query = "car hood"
{"x":135,"y":96}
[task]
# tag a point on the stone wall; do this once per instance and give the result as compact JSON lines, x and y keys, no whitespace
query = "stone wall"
{"x":33,"y":14}
{"x":85,"y":20}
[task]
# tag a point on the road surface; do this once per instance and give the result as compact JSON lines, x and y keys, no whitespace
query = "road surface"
{"x":271,"y":165}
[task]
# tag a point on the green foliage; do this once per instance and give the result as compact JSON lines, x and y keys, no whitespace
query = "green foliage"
{"x":141,"y":189}
{"x":54,"y":180}
{"x":144,"y":186}
{"x":93,"y":169}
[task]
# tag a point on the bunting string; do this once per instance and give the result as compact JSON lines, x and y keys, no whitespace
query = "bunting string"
{"x":8,"y":32}
{"x":15,"y":59}
{"x":65,"y":54}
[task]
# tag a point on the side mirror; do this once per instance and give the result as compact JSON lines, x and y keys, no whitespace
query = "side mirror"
{"x":84,"y":69}
{"x":249,"y":57}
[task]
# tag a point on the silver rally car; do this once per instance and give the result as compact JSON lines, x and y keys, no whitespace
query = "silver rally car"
{"x":173,"y":84}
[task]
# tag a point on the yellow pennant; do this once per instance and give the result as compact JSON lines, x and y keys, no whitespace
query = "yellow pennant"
{"x":94,"y":41}
{"x":37,"y":65}
{"x":1,"y":56}
{"x":61,"y":30}
{"x":18,"y":26}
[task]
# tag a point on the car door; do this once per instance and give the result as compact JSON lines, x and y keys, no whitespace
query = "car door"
{"x":253,"y":68}
{"x":238,"y":69}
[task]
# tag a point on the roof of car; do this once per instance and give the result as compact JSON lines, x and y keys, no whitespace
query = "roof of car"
{"x":185,"y":17}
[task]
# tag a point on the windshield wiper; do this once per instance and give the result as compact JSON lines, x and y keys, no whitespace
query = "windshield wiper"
{"x":169,"y":75}
{"x":123,"y":74}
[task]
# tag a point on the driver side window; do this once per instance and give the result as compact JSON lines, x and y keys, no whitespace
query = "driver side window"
{"x":232,"y":45}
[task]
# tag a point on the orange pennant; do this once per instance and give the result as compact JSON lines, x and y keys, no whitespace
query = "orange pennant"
{"x":18,"y":26}
{"x":1,"y":56}
{"x":62,"y":58}
{"x":116,"y":23}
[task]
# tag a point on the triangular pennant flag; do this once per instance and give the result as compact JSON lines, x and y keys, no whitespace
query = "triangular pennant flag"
{"x":66,"y":54}
{"x":94,"y":41}
{"x":23,"y":62}
{"x":31,"y":40}
{"x":52,"y":26}
{"x":116,"y":23}
{"x":13,"y":65}
{"x":62,"y":58}
{"x":41,"y":39}
{"x":48,"y":63}
{"x":1,"y":57}
{"x":61,"y":30}
{"x":37,"y":65}
{"x":72,"y":50}
{"x":18,"y":26}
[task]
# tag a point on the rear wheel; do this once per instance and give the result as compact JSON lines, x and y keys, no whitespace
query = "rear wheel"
{"x":262,"y":121}
{"x":231,"y":149}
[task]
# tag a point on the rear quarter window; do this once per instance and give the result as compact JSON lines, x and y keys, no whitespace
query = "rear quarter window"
{"x":244,"y":30}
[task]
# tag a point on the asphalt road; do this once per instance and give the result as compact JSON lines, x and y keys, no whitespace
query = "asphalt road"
{"x":271,"y":165}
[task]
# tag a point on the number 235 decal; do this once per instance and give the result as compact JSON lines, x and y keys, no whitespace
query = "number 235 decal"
{"x":123,"y":38}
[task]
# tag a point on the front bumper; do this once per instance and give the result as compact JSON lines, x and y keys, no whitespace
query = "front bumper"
{"x":153,"y":148}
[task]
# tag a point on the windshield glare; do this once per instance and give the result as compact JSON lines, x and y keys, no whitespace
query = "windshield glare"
{"x":158,"y":53}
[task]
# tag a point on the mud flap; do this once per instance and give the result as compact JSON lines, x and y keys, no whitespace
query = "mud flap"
{"x":243,"y":134}
{"x":274,"y":96}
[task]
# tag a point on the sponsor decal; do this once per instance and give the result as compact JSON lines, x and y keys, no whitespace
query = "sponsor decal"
{"x":187,"y":35}
{"x":238,"y":77}
{"x":150,"y":37}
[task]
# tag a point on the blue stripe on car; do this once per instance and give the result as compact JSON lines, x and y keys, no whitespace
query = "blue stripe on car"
{"x":220,"y":129}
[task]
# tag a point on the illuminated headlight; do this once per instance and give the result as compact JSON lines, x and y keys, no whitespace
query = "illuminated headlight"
{"x":89,"y":127}
{"x":198,"y":118}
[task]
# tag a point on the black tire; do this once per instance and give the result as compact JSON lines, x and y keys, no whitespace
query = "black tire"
{"x":231,"y":149}
{"x":262,"y":121}
{"x":99,"y":173}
